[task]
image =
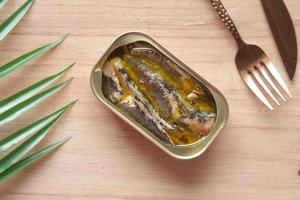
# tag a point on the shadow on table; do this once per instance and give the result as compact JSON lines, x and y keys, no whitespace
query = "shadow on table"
{"x":182,"y":172}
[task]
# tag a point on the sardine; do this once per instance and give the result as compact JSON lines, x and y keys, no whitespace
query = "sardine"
{"x":168,"y":98}
{"x":195,"y":92}
{"x":180,"y":111}
{"x":199,"y":122}
{"x":141,"y":108}
{"x":137,"y":111}
{"x":113,"y":90}
{"x":162,"y":60}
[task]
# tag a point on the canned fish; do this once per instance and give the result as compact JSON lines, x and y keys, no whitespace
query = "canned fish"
{"x":159,"y":96}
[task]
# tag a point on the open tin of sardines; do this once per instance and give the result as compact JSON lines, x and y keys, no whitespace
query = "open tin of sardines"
{"x":159,"y":96}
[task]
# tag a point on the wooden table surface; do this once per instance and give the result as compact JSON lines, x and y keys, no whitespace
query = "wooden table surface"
{"x":257,"y":156}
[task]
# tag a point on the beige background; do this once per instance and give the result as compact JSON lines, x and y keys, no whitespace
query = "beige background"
{"x":257,"y":156}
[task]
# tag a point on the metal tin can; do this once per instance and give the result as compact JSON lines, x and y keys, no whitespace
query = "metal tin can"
{"x":180,"y":152}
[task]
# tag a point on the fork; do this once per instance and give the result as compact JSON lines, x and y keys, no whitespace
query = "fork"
{"x":253,"y":64}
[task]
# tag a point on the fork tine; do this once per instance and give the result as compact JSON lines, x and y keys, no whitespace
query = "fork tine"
{"x":251,"y":84}
{"x":277,"y":76}
{"x":264,"y":86}
{"x":269,"y":80}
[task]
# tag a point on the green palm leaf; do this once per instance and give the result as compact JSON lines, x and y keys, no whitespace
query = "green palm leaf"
{"x":22,"y":107}
{"x":18,"y":103}
{"x":26,"y":146}
{"x":14,"y":19}
{"x":28,"y":92}
{"x":30,"y":159}
{"x":2,"y":3}
{"x":21,"y":134}
{"x":20,"y":61}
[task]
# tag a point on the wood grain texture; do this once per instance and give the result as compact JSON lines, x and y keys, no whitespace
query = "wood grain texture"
{"x":257,"y":156}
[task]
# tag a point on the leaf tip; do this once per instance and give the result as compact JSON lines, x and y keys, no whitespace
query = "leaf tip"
{"x":75,"y":101}
{"x":70,"y":105}
{"x":66,"y":82}
{"x":72,"y":65}
{"x":61,"y":142}
{"x":66,"y":139}
{"x":65,"y":36}
{"x":67,"y":69}
{"x":69,"y":80}
{"x":61,"y":39}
